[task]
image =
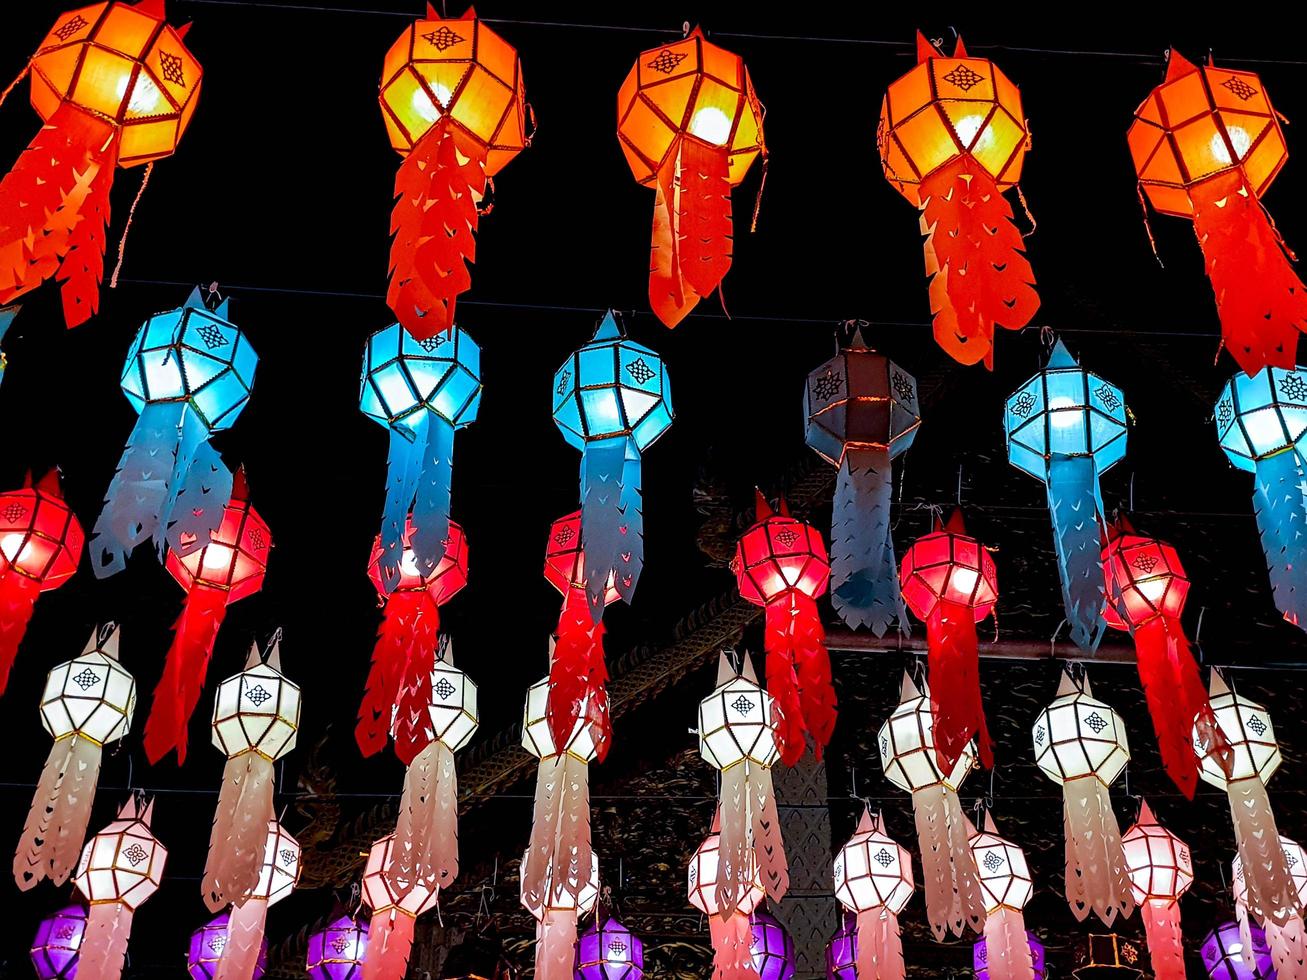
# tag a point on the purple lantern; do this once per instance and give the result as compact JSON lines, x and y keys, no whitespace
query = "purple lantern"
{"x":336,"y":953}
{"x":771,"y":947}
{"x":842,"y":950}
{"x":980,"y":958}
{"x":207,"y":944}
{"x":1227,"y":957}
{"x":56,"y":944}
{"x":609,"y":951}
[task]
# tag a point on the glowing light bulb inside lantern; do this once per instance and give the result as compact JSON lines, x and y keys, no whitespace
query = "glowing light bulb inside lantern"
{"x":15,"y":547}
{"x":963,"y":581}
{"x":217,"y":557}
{"x":1239,"y":139}
{"x":426,"y":107}
{"x":1265,"y":430}
{"x":408,"y":564}
{"x":1152,"y":589}
{"x":146,"y":97}
{"x":711,"y":125}
{"x":1064,"y":412}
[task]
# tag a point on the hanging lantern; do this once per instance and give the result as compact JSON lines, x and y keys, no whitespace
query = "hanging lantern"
{"x":1080,"y":744}
{"x":1160,"y":870}
{"x":1005,"y":887}
{"x":690,"y":125}
{"x":279,"y":872}
{"x":207,"y":946}
{"x":1284,"y":944}
{"x":1146,"y":591}
{"x":390,"y":929}
{"x":87,"y":703}
{"x":608,"y":950}
{"x":771,"y":947}
{"x":952,"y":139}
{"x":911,"y":762}
{"x":873,"y":881}
{"x":422,"y":391}
{"x":114,"y":86}
{"x":1066,"y":427}
{"x":862,"y":411}
{"x":1229,"y":956}
{"x":842,"y":950}
{"x":1206,"y":145}
{"x":737,"y":737}
{"x":556,"y":910}
{"x":980,"y":957}
{"x":731,"y":932}
{"x":120,"y":868}
{"x":338,"y":951}
{"x":226,"y":569}
{"x":950,"y":583}
{"x":57,"y":943}
{"x":780,"y":564}
{"x":40,"y":545}
{"x":188,"y":375}
{"x":256,"y":716}
{"x":454,"y":107}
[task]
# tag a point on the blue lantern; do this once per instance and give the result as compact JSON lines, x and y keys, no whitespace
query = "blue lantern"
{"x":611,"y":401}
{"x":421,"y":390}
{"x":1066,"y":427}
{"x":1261,"y":422}
{"x":188,"y":375}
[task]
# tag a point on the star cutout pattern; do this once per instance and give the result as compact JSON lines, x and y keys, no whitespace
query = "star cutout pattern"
{"x":258,"y":694}
{"x":212,"y":336}
{"x":742,"y":705}
{"x":444,"y":688}
{"x":964,"y":78}
{"x":433,"y":343}
{"x":1239,"y":87}
{"x":828,"y":385}
{"x":639,"y":370}
{"x":902,"y":386}
{"x":70,"y":27}
{"x":1108,"y":397}
{"x":87,"y":679}
{"x":442,"y":38}
{"x":666,"y":61}
{"x":1293,"y":386}
{"x":170,"y":66}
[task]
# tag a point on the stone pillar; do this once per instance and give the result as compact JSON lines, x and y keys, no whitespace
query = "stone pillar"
{"x":808,"y":912}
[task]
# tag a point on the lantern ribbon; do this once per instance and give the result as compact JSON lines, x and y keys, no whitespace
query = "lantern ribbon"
{"x":1165,"y":943}
{"x":864,"y":571}
{"x":419,"y":470}
{"x":245,"y":932}
{"x":578,"y":676}
{"x":798,"y":674}
{"x":399,"y":681}
{"x":426,"y":832}
{"x":1075,"y":506}
{"x":1280,"y":501}
{"x":732,"y":938}
{"x":104,"y":943}
{"x":612,"y":519}
{"x":953,"y":658}
{"x":390,"y":939}
{"x":61,"y":809}
{"x":240,"y":830}
{"x":18,"y":595}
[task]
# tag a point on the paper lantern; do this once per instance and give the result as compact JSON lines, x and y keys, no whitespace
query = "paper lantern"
{"x":952,"y":139}
{"x":608,"y":950}
{"x":737,"y":737}
{"x":87,"y":703}
{"x":187,"y":375}
{"x":454,"y":107}
{"x":771,"y":947}
{"x":911,"y":762}
{"x":1206,"y":145}
{"x":390,"y":929}
{"x":1081,"y":744}
{"x":256,"y":716}
{"x":338,"y":951}
{"x":120,"y":868}
{"x":1005,"y":887}
{"x":40,"y":545}
{"x":1284,"y":944}
{"x":57,"y":943}
{"x":862,"y":411}
{"x":842,"y":950}
{"x":228,"y":568}
{"x":207,"y":946}
{"x":278,"y":873}
{"x":1146,"y":592}
{"x":115,"y":86}
{"x":690,"y":125}
{"x":731,"y":932}
{"x":1066,"y":427}
{"x":873,"y":881}
{"x":950,"y":583}
{"x":1226,"y":955}
{"x":780,"y":564}
{"x":556,"y":909}
{"x":1161,"y":870}
{"x":980,"y":957}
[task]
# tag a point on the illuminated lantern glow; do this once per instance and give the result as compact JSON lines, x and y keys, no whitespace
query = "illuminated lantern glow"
{"x":120,"y":868}
{"x":390,"y":929}
{"x":1206,"y":145}
{"x":338,"y":951}
{"x":1161,"y":870}
{"x":950,"y":583}
{"x":780,"y":564}
{"x":910,"y":760}
{"x":228,"y":568}
{"x":842,"y":950}
{"x":1080,"y":743}
{"x":256,"y":716}
{"x":1146,"y":592}
{"x":556,"y":909}
{"x":115,"y":86}
{"x":207,"y":945}
{"x":862,"y":411}
{"x":41,"y":543}
{"x":1259,"y":421}
{"x":279,"y":873}
{"x":1281,"y":943}
{"x":87,"y":703}
{"x":1229,"y":956}
{"x":771,"y":947}
{"x":737,"y":737}
{"x":690,"y":125}
{"x":731,"y":932}
{"x":873,"y":881}
{"x":1005,"y":887}
{"x":1066,"y":427}
{"x":188,"y":375}
{"x":57,"y":943}
{"x":609,"y":951}
{"x":980,"y":958}
{"x":952,"y":140}
{"x":454,"y":106}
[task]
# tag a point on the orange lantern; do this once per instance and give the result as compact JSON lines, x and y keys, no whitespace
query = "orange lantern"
{"x":1206,"y":145}
{"x":952,"y":139}
{"x":690,"y":125}
{"x":454,"y":107}
{"x":114,"y":86}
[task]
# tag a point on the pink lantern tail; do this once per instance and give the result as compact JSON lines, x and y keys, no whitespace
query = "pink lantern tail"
{"x":183,"y":672}
{"x":240,"y":956}
{"x":735,"y":861}
{"x":240,"y":830}
{"x":1009,"y":951}
{"x":880,"y":948}
{"x":953,"y":900}
{"x":390,"y":938}
{"x":768,"y":847}
{"x":61,"y":809}
{"x":18,"y":595}
{"x":426,"y":833}
{"x":559,"y":855}
{"x":1165,"y":948}
{"x":1288,"y":948}
{"x":104,"y":944}
{"x":556,"y":945}
{"x":1272,"y":895}
{"x":1095,"y":861}
{"x":732,"y":936}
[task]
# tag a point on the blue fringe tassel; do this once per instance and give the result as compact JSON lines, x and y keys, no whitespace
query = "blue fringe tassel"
{"x":200,"y":503}
{"x":431,"y":505}
{"x":864,"y":572}
{"x":403,"y":469}
{"x":603,"y":495}
{"x":1076,"y":508}
{"x":630,"y":557}
{"x":1280,"y":500}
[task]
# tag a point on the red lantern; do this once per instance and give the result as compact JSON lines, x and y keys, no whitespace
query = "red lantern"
{"x":950,"y":584}
{"x":1146,"y":591}
{"x":40,"y":545}
{"x":781,"y":564}
{"x":230,"y":567}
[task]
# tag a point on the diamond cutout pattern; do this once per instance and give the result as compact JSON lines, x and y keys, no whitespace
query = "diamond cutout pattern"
{"x":1097,"y":722}
{"x":170,"y":66}
{"x":340,"y":944}
{"x":70,"y":27}
{"x":666,"y":61}
{"x":258,"y":694}
{"x":442,"y":38}
{"x":287,"y":856}
{"x":14,"y":513}
{"x":563,"y":380}
{"x":1239,"y":87}
{"x":217,"y":942}
{"x":212,"y":336}
{"x":1039,"y":735}
{"x":565,"y":534}
{"x":87,"y":679}
{"x":742,"y":704}
{"x":1224,"y":412}
{"x":135,"y":854}
{"x":964,"y":78}
{"x":1145,"y":562}
{"x":1257,"y":725}
{"x":827,"y":386}
{"x":444,"y":688}
{"x":787,"y":536}
{"x":884,"y":858}
{"x":1108,"y":397}
{"x":639,"y":370}
{"x":617,"y":947}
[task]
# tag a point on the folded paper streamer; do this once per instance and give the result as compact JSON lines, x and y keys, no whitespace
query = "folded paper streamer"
{"x":41,"y":544}
{"x":731,"y":931}
{"x":1160,"y":870}
{"x":608,"y":950}
{"x":556,"y":909}
{"x":390,"y":929}
{"x":1282,"y":943}
{"x":952,"y":140}
{"x":1206,"y":145}
{"x":58,"y":943}
{"x":455,"y":109}
{"x":188,"y":375}
{"x":114,"y":86}
{"x":278,"y":873}
{"x":1066,"y":427}
{"x":980,"y":957}
{"x":770,"y":947}
{"x":209,"y":942}
{"x":1005,"y":887}
{"x":690,"y":125}
{"x":873,"y":882}
{"x":88,"y":702}
{"x":862,"y":411}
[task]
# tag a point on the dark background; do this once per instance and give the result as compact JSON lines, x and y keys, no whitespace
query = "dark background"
{"x":281,"y":192}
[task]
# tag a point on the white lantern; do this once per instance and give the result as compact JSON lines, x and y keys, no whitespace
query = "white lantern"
{"x":1005,"y":887}
{"x":1288,"y":942}
{"x":1161,"y":870}
{"x":453,"y":709}
{"x":731,"y":932}
{"x":90,"y":696}
{"x":556,"y":911}
{"x":390,"y":930}
{"x":257,"y":710}
{"x":737,"y":722}
{"x":279,"y":871}
{"x":536,"y":738}
{"x":873,"y":880}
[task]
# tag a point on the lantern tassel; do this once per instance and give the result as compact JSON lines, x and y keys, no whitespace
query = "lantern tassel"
{"x":578,"y":676}
{"x":390,"y":939}
{"x":556,"y":945}
{"x":1075,"y":507}
{"x":879,"y":946}
{"x":1095,"y":861}
{"x":240,"y":830}
{"x":410,"y":619}
{"x":560,"y":830}
{"x":1009,"y":950}
{"x":1288,"y":948}
{"x":768,"y":845}
{"x":1272,"y":895}
{"x":732,"y":937}
{"x":612,"y":536}
{"x":196,"y":512}
{"x":864,"y":571}
{"x":18,"y":595}
{"x":736,"y":864}
{"x":403,"y":470}
{"x":434,"y":489}
{"x":798,"y":674}
{"x":1280,"y":502}
{"x":953,"y":658}
{"x":61,"y":810}
{"x":426,"y":833}
{"x":245,"y":928}
{"x":411,"y":722}
{"x":953,"y":900}
{"x":104,"y":943}
{"x":1165,"y":947}
{"x":544,"y":830}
